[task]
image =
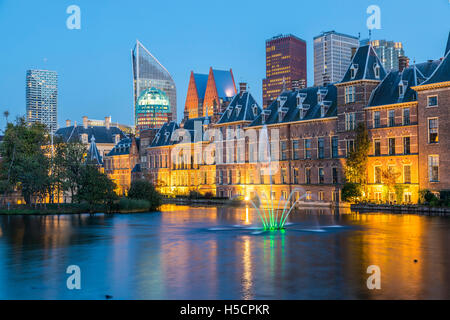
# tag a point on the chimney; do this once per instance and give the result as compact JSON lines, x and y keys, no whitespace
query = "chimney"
{"x":242,"y":87}
{"x":403,"y":62}
{"x":353,"y":52}
{"x":68,"y":123}
{"x":108,"y":122}
{"x":85,"y":122}
{"x":75,"y":124}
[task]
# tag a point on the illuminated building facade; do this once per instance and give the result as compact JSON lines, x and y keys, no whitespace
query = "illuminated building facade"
{"x":149,"y":73}
{"x":405,"y":112}
{"x":332,"y":55}
{"x":42,"y":98}
{"x":193,"y":107}
{"x":389,"y":52}
{"x":285,"y":64}
{"x":152,"y":109}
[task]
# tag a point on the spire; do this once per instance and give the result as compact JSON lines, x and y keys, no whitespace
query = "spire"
{"x":93,"y":154}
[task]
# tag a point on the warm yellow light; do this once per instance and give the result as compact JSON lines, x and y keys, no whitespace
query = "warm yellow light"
{"x":247,"y":198}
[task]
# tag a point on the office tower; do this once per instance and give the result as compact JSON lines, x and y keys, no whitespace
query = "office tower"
{"x":389,"y":52}
{"x":332,"y":56}
{"x":42,"y":98}
{"x":149,"y":73}
{"x":285,"y":63}
{"x":152,"y":109}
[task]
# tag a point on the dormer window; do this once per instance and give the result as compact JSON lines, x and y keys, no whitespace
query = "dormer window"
{"x":321,"y":94}
{"x":402,"y":88}
{"x":167,"y":134}
{"x":281,"y":113}
{"x":301,"y":97}
{"x":255,"y":110}
{"x":376,"y":69}
{"x":229,"y":110}
{"x":157,"y":137}
{"x":265,"y":115}
{"x":238,"y":109}
{"x":84,"y":138}
{"x":281,"y":101}
{"x":117,"y":138}
{"x":353,"y":70}
{"x":303,"y":111}
{"x":324,"y":108}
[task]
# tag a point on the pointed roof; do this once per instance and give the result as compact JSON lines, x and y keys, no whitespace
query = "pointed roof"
{"x":224,"y":82}
{"x":201,"y":80}
{"x":363,"y":64}
{"x":243,"y":107}
{"x":93,"y":154}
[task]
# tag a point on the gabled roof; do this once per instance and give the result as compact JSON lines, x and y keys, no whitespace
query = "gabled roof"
{"x":123,"y":147}
{"x":441,"y":73}
{"x":309,"y":109}
{"x":243,"y":107}
{"x":164,"y":135}
{"x":224,"y":83}
{"x":93,"y":155}
{"x":102,"y":134}
{"x":201,"y":80}
{"x":364,"y":62}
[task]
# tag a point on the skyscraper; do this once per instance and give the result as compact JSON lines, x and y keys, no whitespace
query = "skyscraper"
{"x":42,"y":98}
{"x":285,"y":63}
{"x":389,"y":52}
{"x":152,"y":109}
{"x":332,"y":56}
{"x":149,"y":73}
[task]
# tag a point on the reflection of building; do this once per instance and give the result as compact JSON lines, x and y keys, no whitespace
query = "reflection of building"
{"x":389,"y":52}
{"x":120,"y":161}
{"x":152,"y":109}
{"x":332,"y":55}
{"x":405,"y":113}
{"x":285,"y":64}
{"x":106,"y":137}
{"x":148,"y":73}
{"x":42,"y":98}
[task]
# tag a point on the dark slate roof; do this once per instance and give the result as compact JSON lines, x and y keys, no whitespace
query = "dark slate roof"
{"x":224,"y":83}
{"x":201,"y":80}
{"x":123,"y":147}
{"x":364,"y":60}
{"x":426,"y":69}
{"x":101,"y":134}
{"x":93,"y":155}
{"x":241,"y":108}
{"x":137,"y":168}
{"x":164,"y":135}
{"x":190,"y":126}
{"x":447,"y":48}
{"x":441,"y":73}
{"x":311,"y":105}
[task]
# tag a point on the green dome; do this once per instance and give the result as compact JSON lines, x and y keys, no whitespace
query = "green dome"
{"x":152,"y":100}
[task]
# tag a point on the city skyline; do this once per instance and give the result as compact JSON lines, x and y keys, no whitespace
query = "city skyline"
{"x":90,"y":65}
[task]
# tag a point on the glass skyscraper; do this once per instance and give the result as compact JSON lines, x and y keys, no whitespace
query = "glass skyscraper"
{"x":389,"y":52}
{"x":152,"y":109}
{"x":42,"y":98}
{"x":149,"y":73}
{"x":332,"y":56}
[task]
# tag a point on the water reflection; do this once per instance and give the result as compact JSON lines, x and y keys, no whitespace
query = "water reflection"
{"x":208,"y":253}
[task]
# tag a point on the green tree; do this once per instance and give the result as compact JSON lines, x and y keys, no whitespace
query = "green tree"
{"x":95,"y":188}
{"x":351,"y":192}
{"x":144,"y":190}
{"x":70,"y":158}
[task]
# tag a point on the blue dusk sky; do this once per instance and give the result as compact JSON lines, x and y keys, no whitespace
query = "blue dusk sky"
{"x":94,"y":63}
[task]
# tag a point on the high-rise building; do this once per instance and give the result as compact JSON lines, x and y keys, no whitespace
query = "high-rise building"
{"x":42,"y":98}
{"x":149,"y":73}
{"x":285,"y":63}
{"x":332,"y":56}
{"x":152,"y":109}
{"x":389,"y":52}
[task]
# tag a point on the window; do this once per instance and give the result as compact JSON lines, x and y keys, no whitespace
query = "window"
{"x":335,"y":196}
{"x":349,"y":94}
{"x":376,"y":119}
{"x":308,"y":175}
{"x":377,"y":147}
{"x":406,"y":117}
{"x":295,"y":175}
{"x":350,"y":122}
{"x":220,"y":177}
{"x":432,"y":101}
{"x":391,"y":118}
{"x":391,"y":146}
{"x":238,"y":177}
{"x":251,"y":179}
{"x":433,"y":168}
{"x":321,"y":148}
{"x":334,"y":147}
{"x":407,"y":174}
{"x":321,"y":176}
{"x":230,"y":175}
{"x":433,"y":130}
{"x":307,"y":148}
{"x":295,"y":149}
{"x":284,"y":195}
{"x":261,"y":177}
{"x":350,"y":146}
{"x":377,"y":174}
{"x":320,"y":196}
{"x":407,"y":197}
{"x":308,"y":196}
{"x":406,"y":145}
{"x":401,"y":89}
{"x":283,"y":176}
{"x":335,"y":175}
{"x":377,"y":70}
{"x":284,"y":151}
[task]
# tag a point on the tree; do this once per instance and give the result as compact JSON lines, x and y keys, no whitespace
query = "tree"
{"x":144,"y":190}
{"x":24,"y":163}
{"x":70,"y":157}
{"x":351,"y":192}
{"x":95,"y":187}
{"x":390,"y":177}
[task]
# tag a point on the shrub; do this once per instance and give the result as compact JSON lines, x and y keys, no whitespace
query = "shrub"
{"x":133,"y":204}
{"x":144,"y":190}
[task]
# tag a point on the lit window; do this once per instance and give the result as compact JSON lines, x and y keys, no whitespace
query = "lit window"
{"x":433,"y":168}
{"x":433,"y":130}
{"x":407,"y":174}
{"x":377,"y":174}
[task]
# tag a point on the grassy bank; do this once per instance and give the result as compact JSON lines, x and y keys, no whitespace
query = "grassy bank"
{"x":123,"y":205}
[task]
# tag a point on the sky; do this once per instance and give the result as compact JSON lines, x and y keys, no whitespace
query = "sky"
{"x":94,"y":63}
